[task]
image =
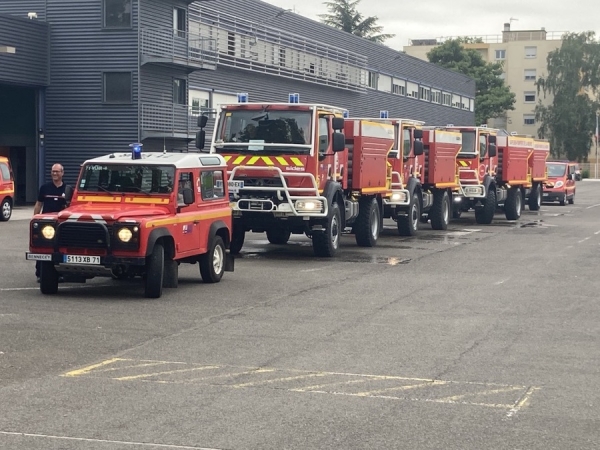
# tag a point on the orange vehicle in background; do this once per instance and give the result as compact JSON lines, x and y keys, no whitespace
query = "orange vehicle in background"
{"x":560,"y":186}
{"x":7,"y":189}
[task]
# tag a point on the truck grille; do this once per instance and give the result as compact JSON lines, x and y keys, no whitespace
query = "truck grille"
{"x":83,"y":235}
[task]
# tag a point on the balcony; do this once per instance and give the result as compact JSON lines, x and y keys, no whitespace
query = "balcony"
{"x":169,"y":47}
{"x":168,"y":120}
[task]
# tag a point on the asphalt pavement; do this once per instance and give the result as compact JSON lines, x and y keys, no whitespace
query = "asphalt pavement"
{"x":478,"y":337}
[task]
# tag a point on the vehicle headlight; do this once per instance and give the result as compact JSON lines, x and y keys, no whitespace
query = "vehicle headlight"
{"x":48,"y":232}
{"x":396,"y":197}
{"x":558,"y":184}
{"x":125,"y":234}
{"x":309,"y":205}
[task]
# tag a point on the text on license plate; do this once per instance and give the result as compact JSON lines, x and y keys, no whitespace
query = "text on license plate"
{"x":81,"y":259}
{"x":545,"y":194}
{"x":235,"y":185}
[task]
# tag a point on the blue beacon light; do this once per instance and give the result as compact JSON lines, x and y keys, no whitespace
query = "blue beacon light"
{"x":136,"y":150}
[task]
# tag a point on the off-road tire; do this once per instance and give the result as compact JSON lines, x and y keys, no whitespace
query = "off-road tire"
{"x":326,"y":242}
{"x":238,"y":234}
{"x":155,"y":272}
{"x":408,"y":225}
{"x":440,"y":210}
{"x":368,"y":222}
{"x":48,"y":278}
{"x":279,"y":235}
{"x":485,"y":214}
{"x":535,"y":197}
{"x":513,"y":206}
{"x":212,"y":263}
{"x":5,"y":210}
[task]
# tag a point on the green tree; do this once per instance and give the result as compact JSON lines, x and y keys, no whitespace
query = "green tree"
{"x":572,"y":82}
{"x":344,"y":16}
{"x":492,"y":97}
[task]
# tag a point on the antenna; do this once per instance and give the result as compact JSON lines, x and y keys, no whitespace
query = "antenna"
{"x":513,"y":19}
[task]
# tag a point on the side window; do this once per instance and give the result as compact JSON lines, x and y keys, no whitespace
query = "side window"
{"x":482,"y":146}
{"x":406,"y":142}
{"x":186,"y":181}
{"x":211,"y":183}
{"x":117,"y":14}
{"x":323,"y":136}
{"x":4,"y":172}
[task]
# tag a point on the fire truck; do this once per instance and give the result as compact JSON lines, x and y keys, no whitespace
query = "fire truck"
{"x":424,"y":176}
{"x":138,"y":214}
{"x":538,"y":173}
{"x":496,"y":171}
{"x":299,"y":168}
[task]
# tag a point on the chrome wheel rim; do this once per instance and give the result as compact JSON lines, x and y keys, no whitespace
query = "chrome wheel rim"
{"x":218,"y":259}
{"x":335,"y":234}
{"x":6,"y":210}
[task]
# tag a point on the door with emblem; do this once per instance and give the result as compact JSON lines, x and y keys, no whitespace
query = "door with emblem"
{"x":187,"y":223}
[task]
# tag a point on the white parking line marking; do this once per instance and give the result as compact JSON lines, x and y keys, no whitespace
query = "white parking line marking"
{"x":593,"y":206}
{"x":105,"y":441}
{"x":497,"y":283}
{"x":583,"y":240}
{"x":597,"y":232}
{"x":521,"y":402}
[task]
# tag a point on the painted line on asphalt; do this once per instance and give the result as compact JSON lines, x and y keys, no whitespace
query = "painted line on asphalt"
{"x":61,"y":288}
{"x":497,"y":283}
{"x":104,"y":441}
{"x":593,"y":206}
{"x":522,"y":402}
{"x":583,"y":240}
{"x":597,"y":232}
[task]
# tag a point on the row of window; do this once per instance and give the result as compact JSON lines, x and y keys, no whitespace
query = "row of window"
{"x":530,"y":53}
{"x":118,"y":88}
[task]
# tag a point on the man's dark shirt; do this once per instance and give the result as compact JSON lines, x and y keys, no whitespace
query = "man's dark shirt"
{"x":52,"y":197}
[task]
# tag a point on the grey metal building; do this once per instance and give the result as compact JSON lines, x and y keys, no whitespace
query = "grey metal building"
{"x":122,"y":71}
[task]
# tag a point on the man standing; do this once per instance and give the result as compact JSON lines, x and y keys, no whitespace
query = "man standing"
{"x":51,"y":198}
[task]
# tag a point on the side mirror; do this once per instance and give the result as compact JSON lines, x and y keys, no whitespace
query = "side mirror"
{"x":337,"y":123}
{"x":418,"y":147}
{"x":68,"y":194}
{"x":492,"y":148}
{"x":200,"y":139}
{"x":202,"y":120}
{"x":418,"y":134}
{"x":339,"y":142}
{"x":491,"y":139}
{"x":188,"y":196}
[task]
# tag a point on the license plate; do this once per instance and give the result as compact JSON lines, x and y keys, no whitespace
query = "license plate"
{"x":235,"y":186}
{"x":545,"y":194}
{"x":39,"y":257}
{"x":81,"y":259}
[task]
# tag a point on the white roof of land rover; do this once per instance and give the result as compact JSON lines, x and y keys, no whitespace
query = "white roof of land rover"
{"x":179,"y":160}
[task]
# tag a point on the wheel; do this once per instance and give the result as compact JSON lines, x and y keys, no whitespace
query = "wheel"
{"x":563,"y":200}
{"x":440,"y":210}
{"x":48,"y":278}
{"x":485,"y":214}
{"x":155,"y":272}
{"x":366,"y":229}
{"x":572,"y":199}
{"x":327,"y":242}
{"x":513,"y":204}
{"x":212,"y":263}
{"x":238,"y":235}
{"x":535,"y":197}
{"x":5,"y":210}
{"x":279,"y":235}
{"x":409,"y":225}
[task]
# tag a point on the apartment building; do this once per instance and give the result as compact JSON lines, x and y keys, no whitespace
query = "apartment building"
{"x":114,"y":72}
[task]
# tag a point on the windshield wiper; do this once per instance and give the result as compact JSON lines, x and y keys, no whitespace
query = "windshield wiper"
{"x":104,"y":189}
{"x":139,"y":189}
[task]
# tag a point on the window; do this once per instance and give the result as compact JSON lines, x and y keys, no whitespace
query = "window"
{"x":199,"y":105}
{"x":179,"y":21}
{"x":436,"y":96}
{"x":456,"y":101}
{"x":212,"y":185}
{"x":4,"y":172}
{"x":398,"y":87}
{"x":231,"y":44}
{"x":117,"y":87}
{"x":528,"y":119}
{"x":530,"y":52}
{"x":406,"y":142}
{"x":446,"y":99}
{"x":529,"y":97}
{"x":530,"y":75}
{"x":500,"y":54}
{"x":465,"y":103}
{"x":482,"y":146}
{"x":412,"y":89}
{"x":373,"y":80}
{"x":425,"y":93}
{"x":117,"y":13}
{"x":186,"y":181}
{"x":179,"y":91}
{"x":384,"y":83}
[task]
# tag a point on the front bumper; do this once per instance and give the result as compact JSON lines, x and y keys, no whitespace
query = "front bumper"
{"x":102,"y":268}
{"x":553,"y":196}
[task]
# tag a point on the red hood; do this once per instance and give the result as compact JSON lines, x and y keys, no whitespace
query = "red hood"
{"x":110,"y":213}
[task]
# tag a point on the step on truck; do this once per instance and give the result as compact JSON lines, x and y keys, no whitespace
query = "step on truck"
{"x":138,"y":214}
{"x":298,"y":168}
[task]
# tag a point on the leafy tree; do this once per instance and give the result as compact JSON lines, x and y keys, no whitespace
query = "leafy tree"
{"x":492,"y":97}
{"x":573,"y":82}
{"x":344,"y":16}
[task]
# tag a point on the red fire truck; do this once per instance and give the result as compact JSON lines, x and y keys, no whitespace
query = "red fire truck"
{"x":138,"y":214}
{"x":304,"y":169}
{"x":538,"y":173}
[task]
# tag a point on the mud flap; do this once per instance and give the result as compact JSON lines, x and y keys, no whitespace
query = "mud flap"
{"x":171,"y":277}
{"x":229,"y":262}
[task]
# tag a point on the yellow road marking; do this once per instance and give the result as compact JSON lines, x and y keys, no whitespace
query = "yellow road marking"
{"x":400,"y":388}
{"x":79,"y":372}
{"x":473,"y":394}
{"x":274,"y":380}
{"x":135,"y":366}
{"x":167,"y":372}
{"x":320,"y":386}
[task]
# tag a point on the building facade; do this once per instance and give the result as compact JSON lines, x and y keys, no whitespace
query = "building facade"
{"x":124,"y":71}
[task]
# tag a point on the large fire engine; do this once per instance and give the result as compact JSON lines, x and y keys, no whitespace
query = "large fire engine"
{"x":423,"y":163}
{"x":138,"y":214}
{"x":304,"y":169}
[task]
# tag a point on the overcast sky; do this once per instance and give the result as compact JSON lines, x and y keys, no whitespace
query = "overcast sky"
{"x":437,"y":18}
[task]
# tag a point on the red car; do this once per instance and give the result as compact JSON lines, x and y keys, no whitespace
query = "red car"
{"x":7,"y":189}
{"x":561,"y":182}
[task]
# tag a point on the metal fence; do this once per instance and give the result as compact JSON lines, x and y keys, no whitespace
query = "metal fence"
{"x":189,"y":48}
{"x":168,"y":118}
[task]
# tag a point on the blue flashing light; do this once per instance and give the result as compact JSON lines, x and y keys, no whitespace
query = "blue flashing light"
{"x":346,"y":114}
{"x":242,"y":97}
{"x":294,"y":98}
{"x":136,"y":150}
{"x":383,"y":114}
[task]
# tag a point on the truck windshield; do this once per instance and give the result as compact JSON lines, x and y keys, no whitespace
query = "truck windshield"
{"x":468,"y":142}
{"x":268,"y":131}
{"x":556,"y":170}
{"x":126,"y":178}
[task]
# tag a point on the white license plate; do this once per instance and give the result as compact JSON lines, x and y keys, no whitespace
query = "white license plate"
{"x":235,"y":186}
{"x":39,"y":257}
{"x":81,"y":259}
{"x":545,"y":194}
